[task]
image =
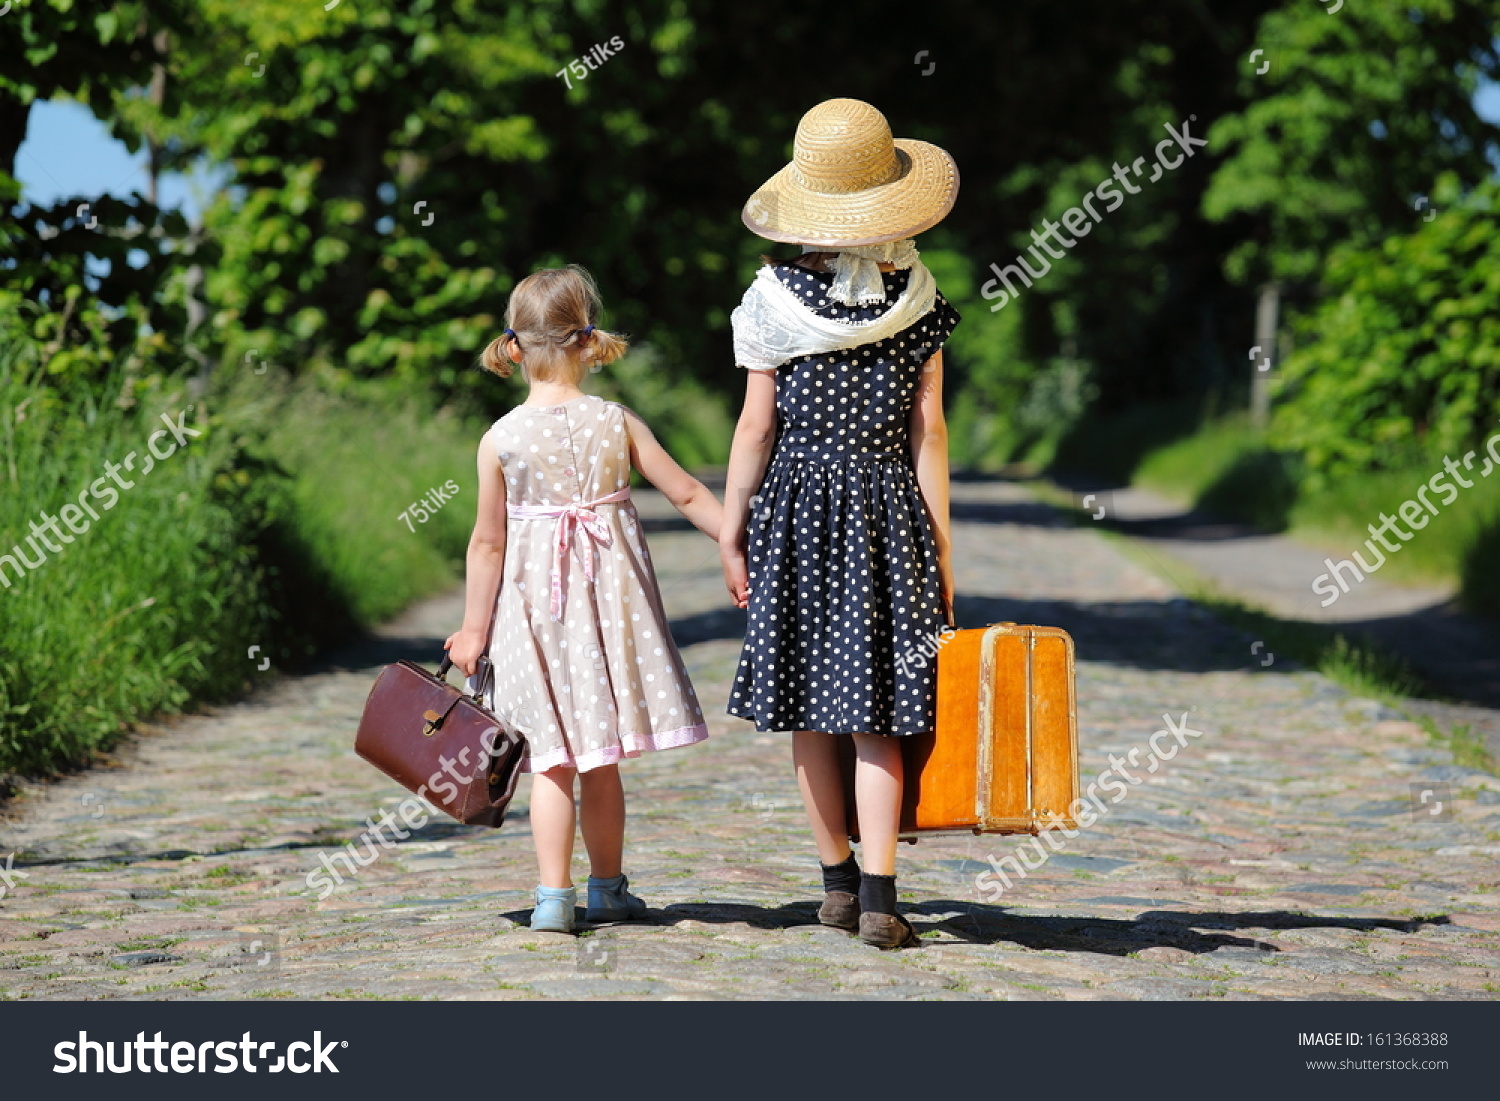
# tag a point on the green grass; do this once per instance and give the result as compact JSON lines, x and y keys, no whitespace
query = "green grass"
{"x":1186,"y":467}
{"x":277,"y":527}
{"x":150,"y":607}
{"x":1353,"y":663}
{"x":1225,"y":467}
{"x":1449,"y":549}
{"x":1468,"y":748}
{"x":349,"y":468}
{"x":1114,"y":446}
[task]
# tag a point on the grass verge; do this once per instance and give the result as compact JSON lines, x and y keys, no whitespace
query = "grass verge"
{"x":1355,"y":664}
{"x":275,"y":524}
{"x":1226,"y":468}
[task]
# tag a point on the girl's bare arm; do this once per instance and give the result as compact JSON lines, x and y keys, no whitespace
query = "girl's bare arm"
{"x":688,"y":495}
{"x":485,"y":565}
{"x":929,"y":455}
{"x":753,"y":438}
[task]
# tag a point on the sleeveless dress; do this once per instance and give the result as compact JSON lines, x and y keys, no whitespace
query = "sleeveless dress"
{"x":585,"y":666}
{"x":843,"y":566}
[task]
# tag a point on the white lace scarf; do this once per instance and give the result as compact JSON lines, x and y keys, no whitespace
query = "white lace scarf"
{"x":773,"y":325}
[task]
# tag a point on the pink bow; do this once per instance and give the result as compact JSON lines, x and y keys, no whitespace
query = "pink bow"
{"x":571,"y":518}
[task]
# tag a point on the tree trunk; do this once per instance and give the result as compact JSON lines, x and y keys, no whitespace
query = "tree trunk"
{"x":1263,"y":357}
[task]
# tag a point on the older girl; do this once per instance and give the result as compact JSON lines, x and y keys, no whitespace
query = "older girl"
{"x":844,"y":564}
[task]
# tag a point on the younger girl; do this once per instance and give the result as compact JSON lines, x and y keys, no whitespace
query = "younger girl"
{"x":585,"y":667}
{"x":844,"y":565}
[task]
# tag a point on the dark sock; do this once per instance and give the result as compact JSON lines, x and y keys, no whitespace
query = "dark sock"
{"x":841,"y":877}
{"x":877,"y":894}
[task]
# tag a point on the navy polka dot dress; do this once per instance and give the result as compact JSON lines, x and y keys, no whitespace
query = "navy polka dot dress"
{"x":843,"y":566}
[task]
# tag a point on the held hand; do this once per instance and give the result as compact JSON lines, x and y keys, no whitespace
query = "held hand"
{"x":736,"y":575}
{"x":465,"y":648}
{"x":945,"y":572}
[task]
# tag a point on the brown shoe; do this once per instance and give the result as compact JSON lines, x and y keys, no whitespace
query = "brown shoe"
{"x":840,"y":910}
{"x":887,"y":931}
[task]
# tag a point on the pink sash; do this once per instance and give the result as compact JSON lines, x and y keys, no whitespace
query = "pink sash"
{"x":571,"y":518}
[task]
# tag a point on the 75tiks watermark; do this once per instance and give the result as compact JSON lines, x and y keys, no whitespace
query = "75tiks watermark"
{"x":580,"y":67}
{"x":436,"y":498}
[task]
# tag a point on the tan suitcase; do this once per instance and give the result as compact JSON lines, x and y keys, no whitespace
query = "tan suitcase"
{"x":1005,"y":752}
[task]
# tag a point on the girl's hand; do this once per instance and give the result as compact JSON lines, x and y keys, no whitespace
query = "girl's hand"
{"x":736,"y":574}
{"x":945,"y":582}
{"x":465,"y":648}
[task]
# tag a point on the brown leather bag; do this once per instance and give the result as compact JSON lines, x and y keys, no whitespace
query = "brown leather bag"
{"x":433,"y":740}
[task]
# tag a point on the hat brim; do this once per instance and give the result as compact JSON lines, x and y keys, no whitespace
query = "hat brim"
{"x":783,"y":209}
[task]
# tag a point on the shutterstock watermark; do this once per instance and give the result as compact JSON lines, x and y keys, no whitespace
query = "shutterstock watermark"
{"x":1416,"y":513}
{"x":10,"y":874}
{"x":1087,"y":808}
{"x":143,"y":1056}
{"x":78,"y":517}
{"x":1079,"y":223}
{"x":414,"y":811}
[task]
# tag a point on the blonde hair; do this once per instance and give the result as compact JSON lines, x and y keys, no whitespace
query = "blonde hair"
{"x":550,"y":320}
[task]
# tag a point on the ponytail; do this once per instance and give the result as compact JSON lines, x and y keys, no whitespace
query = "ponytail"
{"x":496,"y":357}
{"x":604,"y":347}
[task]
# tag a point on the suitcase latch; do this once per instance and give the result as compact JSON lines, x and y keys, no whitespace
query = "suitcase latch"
{"x":430,"y":726}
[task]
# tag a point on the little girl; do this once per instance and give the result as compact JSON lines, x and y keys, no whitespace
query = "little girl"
{"x":585,"y":666}
{"x":842,"y":440}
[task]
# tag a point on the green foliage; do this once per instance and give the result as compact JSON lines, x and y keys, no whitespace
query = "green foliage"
{"x":152,"y":606}
{"x":338,"y":554}
{"x":1481,"y":581}
{"x":1403,"y":359}
{"x":277,"y":528}
{"x":986,"y":371}
{"x":318,"y":261}
{"x":1225,"y":468}
{"x":1448,"y":550}
{"x":1113,"y":447}
{"x":1187,"y":467}
{"x":1359,"y":113}
{"x":1260,"y":487}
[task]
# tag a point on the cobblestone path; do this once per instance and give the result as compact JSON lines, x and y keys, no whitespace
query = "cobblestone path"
{"x":1307,"y":845}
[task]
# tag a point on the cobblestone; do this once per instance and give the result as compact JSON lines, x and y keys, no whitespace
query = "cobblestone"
{"x":1285,"y":854}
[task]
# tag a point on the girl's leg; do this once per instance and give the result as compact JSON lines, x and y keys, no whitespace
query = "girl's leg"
{"x":816,"y":757}
{"x":552,"y":823}
{"x":603,"y":819}
{"x":878,"y":776}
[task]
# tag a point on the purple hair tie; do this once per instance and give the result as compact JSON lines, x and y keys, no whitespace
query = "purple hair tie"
{"x":587,"y":329}
{"x":510,"y":333}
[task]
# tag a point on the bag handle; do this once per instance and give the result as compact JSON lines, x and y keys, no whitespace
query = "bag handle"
{"x":485,"y":674}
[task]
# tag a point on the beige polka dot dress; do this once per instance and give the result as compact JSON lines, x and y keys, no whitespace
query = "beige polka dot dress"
{"x":601,"y":680}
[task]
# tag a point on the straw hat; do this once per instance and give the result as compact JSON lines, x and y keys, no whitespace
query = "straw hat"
{"x":850,"y":183}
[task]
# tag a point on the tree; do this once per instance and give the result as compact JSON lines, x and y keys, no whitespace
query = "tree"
{"x":1363,"y":110}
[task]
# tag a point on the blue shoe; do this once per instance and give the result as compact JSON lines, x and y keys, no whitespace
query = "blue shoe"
{"x":610,"y":900}
{"x":554,"y":909}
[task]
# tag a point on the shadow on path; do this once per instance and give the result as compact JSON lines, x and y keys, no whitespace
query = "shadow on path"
{"x":982,"y":924}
